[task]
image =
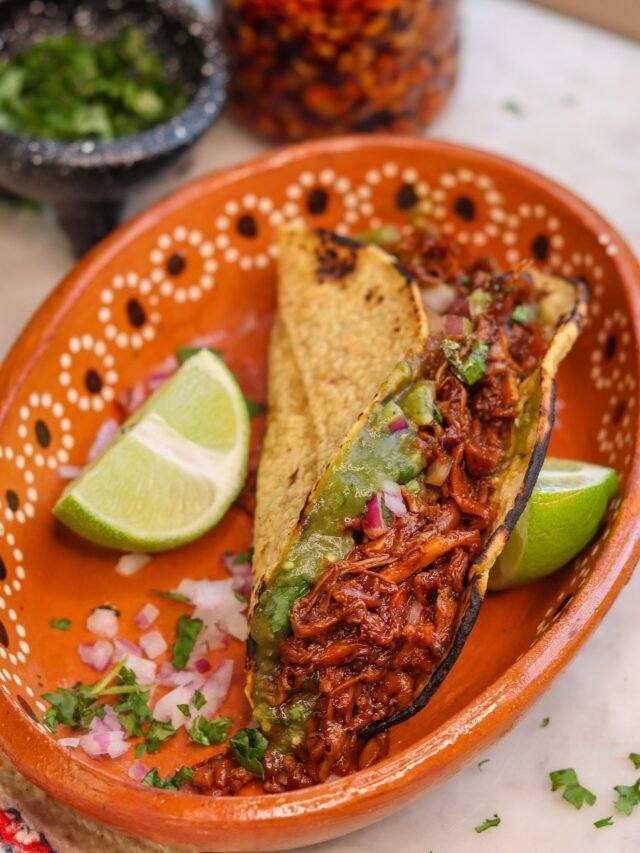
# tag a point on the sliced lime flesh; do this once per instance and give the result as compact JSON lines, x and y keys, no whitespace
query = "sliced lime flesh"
{"x":561,"y":518}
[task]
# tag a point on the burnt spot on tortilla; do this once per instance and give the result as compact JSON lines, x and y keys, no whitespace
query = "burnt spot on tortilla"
{"x":252,"y":648}
{"x":540,"y":247}
{"x":380,"y":299}
{"x":610,"y":347}
{"x":369,"y":295}
{"x":336,"y":257}
{"x":293,"y":477}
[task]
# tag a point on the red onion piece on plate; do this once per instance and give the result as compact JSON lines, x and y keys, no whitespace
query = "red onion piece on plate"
{"x":147,"y":616}
{"x":98,"y":655}
{"x":153,"y":644}
{"x":137,"y":771}
{"x":126,"y":647}
{"x":107,"y":431}
{"x":129,"y":564}
{"x":71,"y":742}
{"x":219,"y":609}
{"x":70,"y":472}
{"x":103,"y":622}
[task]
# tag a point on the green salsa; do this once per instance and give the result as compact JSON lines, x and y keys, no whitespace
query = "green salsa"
{"x":67,"y":88}
{"x":375,"y":455}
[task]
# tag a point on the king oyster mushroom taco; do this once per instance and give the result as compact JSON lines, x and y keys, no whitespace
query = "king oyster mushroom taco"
{"x":400,"y":451}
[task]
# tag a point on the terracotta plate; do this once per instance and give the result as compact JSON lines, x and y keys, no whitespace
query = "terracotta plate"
{"x":201,"y":265}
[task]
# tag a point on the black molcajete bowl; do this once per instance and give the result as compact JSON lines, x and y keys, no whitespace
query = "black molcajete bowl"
{"x":87,"y":182}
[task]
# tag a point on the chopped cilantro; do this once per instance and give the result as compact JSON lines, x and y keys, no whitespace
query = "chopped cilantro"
{"x":513,"y":107}
{"x":141,"y":748}
{"x":169,"y":783}
{"x":241,"y":559}
{"x":60,"y":624}
{"x":634,"y":757}
{"x":248,"y":747}
{"x":628,"y":797}
{"x":185,"y":353}
{"x":524,"y":314}
{"x":240,"y":597}
{"x":544,"y":723}
{"x":187,"y":631}
{"x":172,"y":596}
{"x":66,"y":87}
{"x":484,"y":761}
{"x":198,"y":700}
{"x":471,"y":367}
{"x":157,"y":734}
{"x":209,"y":733}
{"x":488,"y":823}
{"x":254,"y":408}
{"x":574,"y":792}
{"x":184,"y":710}
{"x":604,"y":821}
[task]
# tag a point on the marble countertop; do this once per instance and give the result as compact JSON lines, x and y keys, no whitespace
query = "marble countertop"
{"x":577,"y":119}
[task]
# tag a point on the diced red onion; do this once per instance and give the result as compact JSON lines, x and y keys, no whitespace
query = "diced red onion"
{"x":108,"y":723}
{"x":147,"y":616}
{"x":129,"y":564}
{"x":166,"y":709}
{"x":455,"y":326}
{"x":219,"y":609}
{"x":215,"y":688}
{"x":169,"y":676}
{"x":393,"y":499}
{"x":137,"y":771}
{"x":438,"y":471}
{"x":126,"y":647}
{"x":103,"y":622}
{"x":438,"y":297}
{"x":398,"y":424}
{"x":98,"y":655}
{"x":132,"y":398}
{"x":240,"y":572}
{"x":153,"y":644}
{"x":107,"y":431}
{"x":156,"y":380}
{"x":373,"y":522}
{"x":69,"y":472}
{"x":202,"y":665}
{"x":112,"y":744}
{"x":71,"y":742}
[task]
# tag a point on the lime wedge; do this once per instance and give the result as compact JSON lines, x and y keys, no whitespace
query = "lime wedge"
{"x":562,"y":516}
{"x":173,"y":470}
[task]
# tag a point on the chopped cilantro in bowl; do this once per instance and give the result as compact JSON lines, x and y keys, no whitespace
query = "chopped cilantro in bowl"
{"x":67,"y":88}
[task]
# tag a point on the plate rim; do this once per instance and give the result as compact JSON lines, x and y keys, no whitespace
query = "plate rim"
{"x":345,"y":804}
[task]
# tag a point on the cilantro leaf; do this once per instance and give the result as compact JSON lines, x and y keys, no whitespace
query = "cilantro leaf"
{"x":141,"y":748}
{"x":254,"y":408}
{"x":157,"y":734}
{"x":60,"y":624}
{"x":209,"y":733}
{"x":169,"y":783}
{"x":574,"y":792}
{"x":634,"y":757}
{"x":184,"y":710}
{"x":513,"y":107}
{"x":544,"y":723}
{"x":187,"y":632}
{"x":484,"y":761}
{"x":240,"y":597}
{"x":488,"y":823}
{"x":185,"y":353}
{"x":198,"y":700}
{"x":605,"y":821}
{"x":628,"y":797}
{"x":524,"y":314}
{"x":248,"y":747}
{"x":471,"y":367}
{"x":172,"y":596}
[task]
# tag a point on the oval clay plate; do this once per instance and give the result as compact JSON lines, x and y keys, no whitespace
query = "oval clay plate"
{"x":200,"y":267}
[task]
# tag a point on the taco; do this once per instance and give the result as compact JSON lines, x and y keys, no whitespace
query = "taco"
{"x":424,"y":445}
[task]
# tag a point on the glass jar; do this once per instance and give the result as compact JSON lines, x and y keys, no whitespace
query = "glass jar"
{"x":309,"y":68}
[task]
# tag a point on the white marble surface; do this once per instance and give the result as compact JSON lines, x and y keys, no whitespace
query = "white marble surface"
{"x":577,"y":89}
